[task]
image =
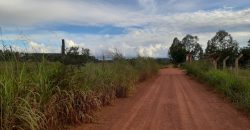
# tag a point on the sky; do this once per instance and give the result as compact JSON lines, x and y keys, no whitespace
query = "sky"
{"x":133,"y":27}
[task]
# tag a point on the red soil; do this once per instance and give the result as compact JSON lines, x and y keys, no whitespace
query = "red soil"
{"x":172,"y":100}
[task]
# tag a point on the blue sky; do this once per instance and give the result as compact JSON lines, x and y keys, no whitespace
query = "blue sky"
{"x":145,"y":27}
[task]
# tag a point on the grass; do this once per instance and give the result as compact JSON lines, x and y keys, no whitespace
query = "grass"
{"x":43,"y":95}
{"x":232,"y":85}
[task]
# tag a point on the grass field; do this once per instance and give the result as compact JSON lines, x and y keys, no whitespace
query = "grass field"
{"x":43,"y":95}
{"x":234,"y":86}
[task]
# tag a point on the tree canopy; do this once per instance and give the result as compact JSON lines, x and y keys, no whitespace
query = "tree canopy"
{"x":75,"y":57}
{"x":192,"y":46}
{"x":219,"y":46}
{"x":179,"y":49}
{"x":246,"y":54}
{"x":222,"y":44}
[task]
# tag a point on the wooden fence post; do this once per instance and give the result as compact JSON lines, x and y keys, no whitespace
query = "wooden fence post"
{"x":237,"y":63}
{"x":215,"y":62}
{"x":189,"y":58}
{"x":225,"y":62}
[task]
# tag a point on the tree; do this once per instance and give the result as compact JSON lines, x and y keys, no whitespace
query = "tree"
{"x":198,"y":52}
{"x":246,"y":55}
{"x":177,"y":51}
{"x":85,"y":52}
{"x":222,"y":44}
{"x":73,"y":51}
{"x":73,"y":56}
{"x":192,"y":46}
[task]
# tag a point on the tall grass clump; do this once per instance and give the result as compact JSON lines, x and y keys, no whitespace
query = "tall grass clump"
{"x":146,"y":67}
{"x":24,"y":88}
{"x":46,"y":95}
{"x":232,"y":85}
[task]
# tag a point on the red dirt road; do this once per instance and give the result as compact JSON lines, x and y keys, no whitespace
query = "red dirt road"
{"x":170,"y":101}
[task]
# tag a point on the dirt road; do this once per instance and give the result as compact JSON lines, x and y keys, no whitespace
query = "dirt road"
{"x":170,"y":101}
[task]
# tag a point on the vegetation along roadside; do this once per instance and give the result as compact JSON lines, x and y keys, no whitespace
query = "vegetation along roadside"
{"x":52,"y":95}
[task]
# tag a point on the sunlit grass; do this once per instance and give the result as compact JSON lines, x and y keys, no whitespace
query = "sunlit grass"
{"x":44,"y":95}
{"x":234,"y":86}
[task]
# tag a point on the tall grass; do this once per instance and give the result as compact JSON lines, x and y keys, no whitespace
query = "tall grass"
{"x":43,"y":95}
{"x":24,"y":89}
{"x":232,"y":85}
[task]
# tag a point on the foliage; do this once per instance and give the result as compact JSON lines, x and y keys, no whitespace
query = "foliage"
{"x":245,"y":60}
{"x":75,"y":57}
{"x":188,"y":45}
{"x":177,"y":51}
{"x":192,"y":46}
{"x":45,"y":95}
{"x":235,"y":87}
{"x":7,"y":54}
{"x":222,"y":45}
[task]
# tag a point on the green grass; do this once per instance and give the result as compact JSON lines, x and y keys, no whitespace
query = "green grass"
{"x":43,"y":95}
{"x":232,"y":85}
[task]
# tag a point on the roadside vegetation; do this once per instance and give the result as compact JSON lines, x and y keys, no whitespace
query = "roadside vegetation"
{"x":234,"y":86}
{"x":52,"y":95}
{"x":218,"y":65}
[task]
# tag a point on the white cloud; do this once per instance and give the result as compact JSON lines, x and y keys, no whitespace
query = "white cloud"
{"x":36,"y":47}
{"x":153,"y":50}
{"x":32,"y":12}
{"x":154,"y":35}
{"x":70,"y":43}
{"x":28,"y":12}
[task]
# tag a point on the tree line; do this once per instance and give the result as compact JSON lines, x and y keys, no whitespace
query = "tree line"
{"x":73,"y":56}
{"x":219,"y":46}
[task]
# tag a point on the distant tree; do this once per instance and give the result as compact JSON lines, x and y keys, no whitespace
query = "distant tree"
{"x":246,"y":55}
{"x":222,"y":44}
{"x":198,"y":52}
{"x":73,"y":51}
{"x":190,"y":42}
{"x":74,"y":57}
{"x":177,"y":51}
{"x":211,"y":48}
{"x":192,"y":46}
{"x":8,"y":54}
{"x":85,"y":52}
{"x":86,"y":55}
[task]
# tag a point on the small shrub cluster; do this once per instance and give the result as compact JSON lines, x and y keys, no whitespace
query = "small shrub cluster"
{"x":45,"y":95}
{"x":232,"y":85}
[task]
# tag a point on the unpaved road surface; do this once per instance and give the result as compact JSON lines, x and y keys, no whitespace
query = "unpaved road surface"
{"x":170,"y":101}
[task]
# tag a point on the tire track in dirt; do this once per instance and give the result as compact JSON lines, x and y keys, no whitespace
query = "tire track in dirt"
{"x":171,"y":100}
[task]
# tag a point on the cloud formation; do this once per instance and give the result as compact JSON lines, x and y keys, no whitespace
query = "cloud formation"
{"x":150,"y":25}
